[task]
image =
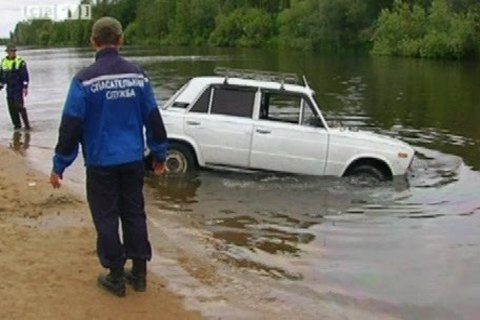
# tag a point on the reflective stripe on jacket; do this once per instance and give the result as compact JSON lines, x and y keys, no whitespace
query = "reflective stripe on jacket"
{"x":108,"y":106}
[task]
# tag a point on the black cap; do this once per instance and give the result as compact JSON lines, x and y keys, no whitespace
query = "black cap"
{"x":11,"y":47}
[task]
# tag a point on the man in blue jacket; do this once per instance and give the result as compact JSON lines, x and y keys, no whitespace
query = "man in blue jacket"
{"x":108,"y":105}
{"x":14,"y":74}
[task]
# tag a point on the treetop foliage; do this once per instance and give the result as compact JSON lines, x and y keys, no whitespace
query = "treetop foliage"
{"x":418,"y":28}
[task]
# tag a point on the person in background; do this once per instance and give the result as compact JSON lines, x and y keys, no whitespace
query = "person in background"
{"x":108,"y":105}
{"x":14,"y":75}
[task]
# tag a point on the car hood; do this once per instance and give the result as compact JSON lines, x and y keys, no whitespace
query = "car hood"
{"x":369,"y":137}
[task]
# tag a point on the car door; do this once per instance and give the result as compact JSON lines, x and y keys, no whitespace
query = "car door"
{"x":221,"y":124}
{"x":289,"y":136}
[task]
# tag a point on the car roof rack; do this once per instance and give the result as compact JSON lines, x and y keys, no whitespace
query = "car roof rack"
{"x":252,"y":74}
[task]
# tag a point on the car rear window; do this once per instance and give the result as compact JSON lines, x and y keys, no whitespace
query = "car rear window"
{"x":233,"y":101}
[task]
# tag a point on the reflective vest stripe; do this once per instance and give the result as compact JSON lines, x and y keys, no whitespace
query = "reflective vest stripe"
{"x":9,"y":65}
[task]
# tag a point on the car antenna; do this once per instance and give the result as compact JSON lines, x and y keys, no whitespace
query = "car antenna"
{"x":225,"y":81}
{"x":306,"y":82}
{"x":221,"y":71}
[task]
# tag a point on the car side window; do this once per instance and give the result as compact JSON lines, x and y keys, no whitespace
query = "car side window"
{"x":287,"y":107}
{"x":201,"y":105}
{"x":281,"y":107}
{"x":233,"y":101}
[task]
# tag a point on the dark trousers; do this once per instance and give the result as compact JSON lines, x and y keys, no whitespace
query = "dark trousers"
{"x":16,"y":108}
{"x":115,"y":194}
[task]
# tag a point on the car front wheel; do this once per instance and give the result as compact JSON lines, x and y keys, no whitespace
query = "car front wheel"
{"x":180,"y":159}
{"x":365,"y":174}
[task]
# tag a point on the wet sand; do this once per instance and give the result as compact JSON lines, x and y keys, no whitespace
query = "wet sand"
{"x":49,"y":264}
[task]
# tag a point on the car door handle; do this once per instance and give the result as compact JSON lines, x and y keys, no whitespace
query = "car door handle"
{"x":193,"y":123}
{"x":263,"y":131}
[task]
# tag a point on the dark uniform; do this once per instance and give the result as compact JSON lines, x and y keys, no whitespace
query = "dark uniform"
{"x":107,"y":107}
{"x":14,"y":74}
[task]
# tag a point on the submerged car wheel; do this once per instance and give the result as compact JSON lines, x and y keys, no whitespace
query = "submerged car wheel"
{"x":365,"y":174}
{"x":180,"y":159}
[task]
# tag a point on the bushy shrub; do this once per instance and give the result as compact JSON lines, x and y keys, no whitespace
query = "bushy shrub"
{"x":298,"y":25}
{"x":437,"y":33}
{"x":243,"y":27}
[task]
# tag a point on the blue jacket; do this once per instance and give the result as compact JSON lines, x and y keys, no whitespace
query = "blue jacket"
{"x":14,"y":74}
{"x":108,"y":105}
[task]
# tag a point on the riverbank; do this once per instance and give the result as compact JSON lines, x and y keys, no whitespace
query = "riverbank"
{"x":49,"y":264}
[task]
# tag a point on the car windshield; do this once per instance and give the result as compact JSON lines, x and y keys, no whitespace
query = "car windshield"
{"x":290,"y":107}
{"x":176,"y":96}
{"x":332,"y":118}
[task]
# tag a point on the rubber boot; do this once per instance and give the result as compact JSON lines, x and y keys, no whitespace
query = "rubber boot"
{"x":114,"y":282}
{"x":137,"y":277}
{"x":23,"y":113}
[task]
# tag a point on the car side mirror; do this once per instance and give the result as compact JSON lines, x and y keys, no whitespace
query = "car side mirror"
{"x":314,"y":122}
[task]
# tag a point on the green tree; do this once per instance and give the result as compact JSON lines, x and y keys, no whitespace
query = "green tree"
{"x":181,"y":26}
{"x":243,"y":27}
{"x":438,"y":32}
{"x":419,"y":28}
{"x":203,"y":15}
{"x":400,"y":30}
{"x":449,"y":34}
{"x":154,"y":19}
{"x":298,"y":23}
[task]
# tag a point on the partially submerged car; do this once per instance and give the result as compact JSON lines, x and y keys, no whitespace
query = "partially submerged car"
{"x":258,"y":120}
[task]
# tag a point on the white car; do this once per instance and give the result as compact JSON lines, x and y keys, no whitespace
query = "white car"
{"x":262,"y":121}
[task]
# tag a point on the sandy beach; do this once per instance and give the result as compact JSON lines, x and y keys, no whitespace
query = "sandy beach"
{"x":49,"y":264}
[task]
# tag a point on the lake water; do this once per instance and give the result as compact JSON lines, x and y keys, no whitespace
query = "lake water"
{"x":272,"y":246}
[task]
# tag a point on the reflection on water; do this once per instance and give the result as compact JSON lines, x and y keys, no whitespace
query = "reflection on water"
{"x":175,"y":189}
{"x":20,"y":141}
{"x":268,"y":235}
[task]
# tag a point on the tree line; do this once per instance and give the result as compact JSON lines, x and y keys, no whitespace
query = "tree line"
{"x":446,"y":29}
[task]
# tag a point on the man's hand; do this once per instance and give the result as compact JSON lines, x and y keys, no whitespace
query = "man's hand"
{"x":55,"y":180}
{"x":159,"y":168}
